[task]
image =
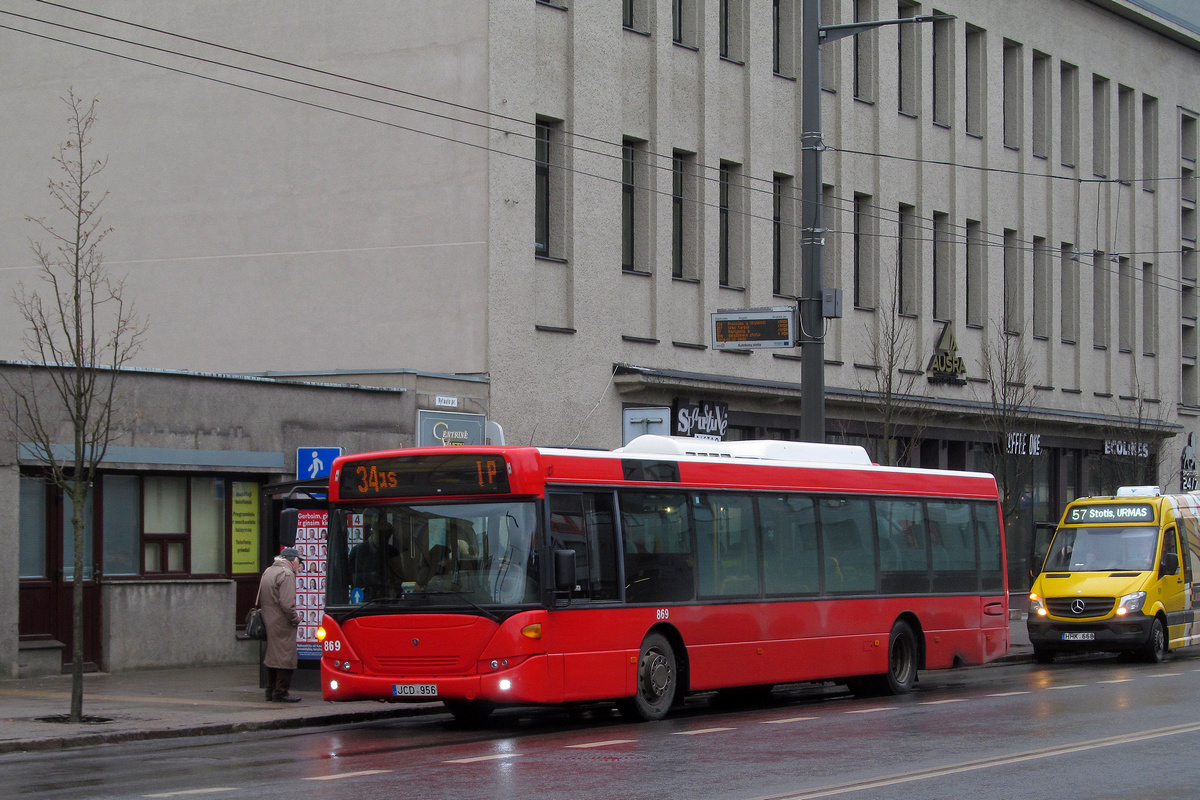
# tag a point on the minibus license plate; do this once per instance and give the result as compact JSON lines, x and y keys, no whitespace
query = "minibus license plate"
{"x":414,"y":690}
{"x":1085,"y":636}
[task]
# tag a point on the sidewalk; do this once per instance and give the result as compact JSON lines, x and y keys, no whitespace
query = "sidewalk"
{"x":168,"y":703}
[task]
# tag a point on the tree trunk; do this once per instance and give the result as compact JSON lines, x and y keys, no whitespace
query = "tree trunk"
{"x":78,"y":500}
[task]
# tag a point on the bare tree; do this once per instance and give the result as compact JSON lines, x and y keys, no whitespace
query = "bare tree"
{"x":891,"y":393}
{"x":79,"y":332}
{"x":1006,"y":366}
{"x":1133,"y":442}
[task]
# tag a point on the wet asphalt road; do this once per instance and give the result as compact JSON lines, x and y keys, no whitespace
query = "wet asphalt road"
{"x":1094,"y":727}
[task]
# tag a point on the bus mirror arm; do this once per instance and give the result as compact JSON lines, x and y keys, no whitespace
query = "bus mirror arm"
{"x":564,"y":571}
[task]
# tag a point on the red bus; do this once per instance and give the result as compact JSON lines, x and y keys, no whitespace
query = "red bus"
{"x":491,"y":576}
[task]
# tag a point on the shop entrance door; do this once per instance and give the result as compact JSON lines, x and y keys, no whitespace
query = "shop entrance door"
{"x":47,"y":567}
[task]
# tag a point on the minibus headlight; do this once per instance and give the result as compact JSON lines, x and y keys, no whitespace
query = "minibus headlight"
{"x":1131,"y":603}
{"x":1036,"y":606}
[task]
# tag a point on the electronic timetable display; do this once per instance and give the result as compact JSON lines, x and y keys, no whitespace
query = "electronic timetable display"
{"x":423,"y":476}
{"x":1111,"y":512}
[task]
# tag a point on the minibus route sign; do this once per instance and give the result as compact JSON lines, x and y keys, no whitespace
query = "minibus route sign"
{"x":1110,"y":512}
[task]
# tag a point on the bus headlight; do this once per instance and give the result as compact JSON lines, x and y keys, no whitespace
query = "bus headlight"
{"x":1036,"y":606}
{"x":1131,"y":603}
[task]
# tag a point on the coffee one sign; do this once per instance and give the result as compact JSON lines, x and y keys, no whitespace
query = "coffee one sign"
{"x":703,"y":419}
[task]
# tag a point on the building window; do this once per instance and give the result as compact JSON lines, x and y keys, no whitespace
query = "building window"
{"x":731,"y":208}
{"x":732,"y":29}
{"x":1125,"y":307}
{"x":831,"y":75}
{"x":33,"y":527}
{"x":1014,"y":97}
{"x":207,"y":525}
{"x":908,"y":291}
{"x":1100,"y":295}
{"x":1041,"y":297}
{"x":636,"y":16}
{"x":164,"y":524}
{"x":1068,"y":122}
{"x":1041,"y":105}
{"x":683,"y":215}
{"x":943,"y":71}
{"x":122,"y":524}
{"x":1100,"y":124}
{"x":549,"y":191}
{"x":784,"y":38}
{"x":908,"y":60}
{"x":864,"y":53}
{"x":976,"y":277}
{"x":1187,"y":137}
{"x":683,"y":22}
{"x":976,"y":80}
{"x":1125,"y":134}
{"x":635,"y":206}
{"x":1149,"y":310}
{"x":864,"y":252}
{"x":1149,"y":142}
{"x":943,"y":268}
{"x":1069,"y":307}
{"x":831,"y":261}
{"x":1014,"y":283}
{"x":783,"y":222}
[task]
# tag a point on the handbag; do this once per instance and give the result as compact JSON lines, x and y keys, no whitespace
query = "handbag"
{"x":255,"y":628}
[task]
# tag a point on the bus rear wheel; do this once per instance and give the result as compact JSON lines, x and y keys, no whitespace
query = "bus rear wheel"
{"x":657,"y":681}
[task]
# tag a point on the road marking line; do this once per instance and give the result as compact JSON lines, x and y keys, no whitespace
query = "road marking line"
{"x":999,"y":761}
{"x":1009,"y":694}
{"x":1165,"y":675}
{"x":782,"y":721}
{"x":702,"y":730}
{"x":1067,"y":686}
{"x":341,"y":775}
{"x":943,"y":702}
{"x":183,"y":792}
{"x":871,"y":710}
{"x":480,"y":758}
{"x":609,"y":743}
{"x":1117,"y":680}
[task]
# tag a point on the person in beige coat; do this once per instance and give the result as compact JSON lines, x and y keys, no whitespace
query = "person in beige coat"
{"x":277,"y":599}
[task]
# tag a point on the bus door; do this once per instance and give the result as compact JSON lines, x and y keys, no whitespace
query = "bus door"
{"x":590,"y":648}
{"x":1176,"y":591}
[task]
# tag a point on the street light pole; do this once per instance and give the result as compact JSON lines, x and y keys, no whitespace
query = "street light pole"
{"x":812,"y":233}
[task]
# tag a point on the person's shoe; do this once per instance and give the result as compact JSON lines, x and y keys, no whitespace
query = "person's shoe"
{"x":287,"y":698}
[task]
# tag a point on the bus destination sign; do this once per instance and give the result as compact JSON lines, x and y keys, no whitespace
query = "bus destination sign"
{"x":749,"y":328}
{"x":424,"y":476}
{"x":1110,"y":512}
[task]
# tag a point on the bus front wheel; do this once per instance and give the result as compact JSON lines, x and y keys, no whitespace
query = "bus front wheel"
{"x":902,"y":659}
{"x":1155,"y":650}
{"x":657,"y":681}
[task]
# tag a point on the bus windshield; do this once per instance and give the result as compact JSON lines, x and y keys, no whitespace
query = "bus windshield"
{"x":482,"y":553}
{"x":1130,"y":549}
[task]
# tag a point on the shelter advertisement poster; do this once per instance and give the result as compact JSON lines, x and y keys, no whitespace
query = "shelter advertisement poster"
{"x":311,"y":542}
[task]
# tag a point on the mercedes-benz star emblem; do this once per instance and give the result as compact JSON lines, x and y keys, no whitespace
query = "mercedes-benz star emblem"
{"x":1077,"y":607}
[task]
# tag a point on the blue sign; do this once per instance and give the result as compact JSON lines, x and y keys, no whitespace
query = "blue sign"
{"x":315,"y":462}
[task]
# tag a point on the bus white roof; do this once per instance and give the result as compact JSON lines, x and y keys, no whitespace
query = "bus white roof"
{"x":765,"y":450}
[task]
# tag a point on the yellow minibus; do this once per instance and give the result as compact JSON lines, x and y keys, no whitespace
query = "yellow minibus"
{"x":1122,"y":574}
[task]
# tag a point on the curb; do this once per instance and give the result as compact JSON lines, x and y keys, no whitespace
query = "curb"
{"x":214,"y":729}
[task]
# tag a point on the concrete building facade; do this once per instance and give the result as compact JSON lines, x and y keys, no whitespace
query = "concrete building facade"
{"x":556,"y":196}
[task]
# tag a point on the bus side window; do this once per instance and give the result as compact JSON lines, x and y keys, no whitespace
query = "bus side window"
{"x":584,"y":523}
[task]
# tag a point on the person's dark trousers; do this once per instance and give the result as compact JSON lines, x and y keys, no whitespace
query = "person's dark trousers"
{"x":279,"y":682}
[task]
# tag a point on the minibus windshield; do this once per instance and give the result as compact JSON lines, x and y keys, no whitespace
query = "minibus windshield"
{"x":1107,"y":549}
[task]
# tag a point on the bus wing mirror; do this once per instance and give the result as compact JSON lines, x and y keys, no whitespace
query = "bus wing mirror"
{"x":289,"y":521}
{"x":1170,"y":564}
{"x":564,"y":570}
